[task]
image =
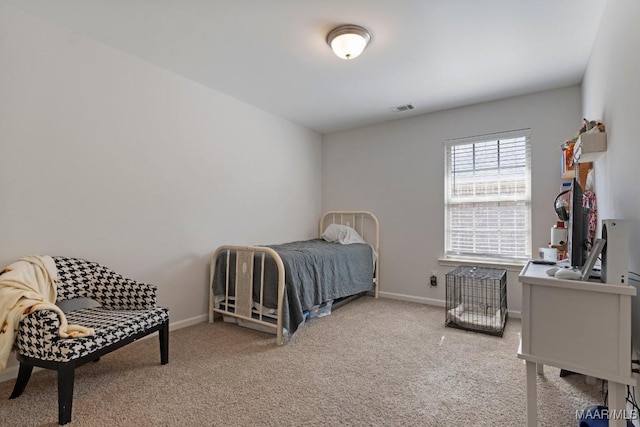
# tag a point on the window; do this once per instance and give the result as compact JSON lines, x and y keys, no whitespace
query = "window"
{"x":488,"y":196}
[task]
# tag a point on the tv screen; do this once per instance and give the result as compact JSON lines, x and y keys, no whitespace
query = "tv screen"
{"x":578,"y":227}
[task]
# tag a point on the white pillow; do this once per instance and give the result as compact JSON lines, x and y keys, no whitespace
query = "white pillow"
{"x":343,"y":234}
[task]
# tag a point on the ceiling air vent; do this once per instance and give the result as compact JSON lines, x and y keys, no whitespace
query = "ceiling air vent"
{"x":400,"y":108}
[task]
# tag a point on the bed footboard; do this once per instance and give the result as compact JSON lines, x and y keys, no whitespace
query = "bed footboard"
{"x":240,"y":304}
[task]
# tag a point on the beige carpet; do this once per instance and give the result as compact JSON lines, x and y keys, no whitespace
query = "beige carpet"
{"x":371,"y":363}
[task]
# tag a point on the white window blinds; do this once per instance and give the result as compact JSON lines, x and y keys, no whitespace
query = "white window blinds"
{"x":488,"y":196}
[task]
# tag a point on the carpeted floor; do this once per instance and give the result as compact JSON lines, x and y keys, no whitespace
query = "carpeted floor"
{"x":370,"y":363}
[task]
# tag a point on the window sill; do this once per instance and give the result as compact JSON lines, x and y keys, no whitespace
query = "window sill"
{"x":507,"y":265}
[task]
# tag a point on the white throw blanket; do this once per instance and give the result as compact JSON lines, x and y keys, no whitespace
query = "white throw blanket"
{"x":28,"y":285}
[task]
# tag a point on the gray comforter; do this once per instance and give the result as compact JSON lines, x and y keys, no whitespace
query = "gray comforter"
{"x":316,"y":271}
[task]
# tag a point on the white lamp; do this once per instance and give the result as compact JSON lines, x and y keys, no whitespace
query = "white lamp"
{"x":348,"y":41}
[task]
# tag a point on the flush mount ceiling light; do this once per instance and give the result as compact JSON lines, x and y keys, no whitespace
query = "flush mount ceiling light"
{"x":348,"y":41}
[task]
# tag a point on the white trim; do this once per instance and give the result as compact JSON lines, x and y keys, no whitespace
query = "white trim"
{"x":510,"y":134}
{"x":509,"y":266}
{"x":515,"y":314}
{"x":410,"y":298}
{"x":187,"y":322}
{"x":12,"y":372}
{"x":433,"y":302}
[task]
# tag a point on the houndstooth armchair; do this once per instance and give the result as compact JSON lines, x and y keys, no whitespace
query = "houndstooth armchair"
{"x":127,"y":312}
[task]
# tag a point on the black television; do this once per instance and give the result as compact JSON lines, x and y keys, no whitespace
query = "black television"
{"x":578,"y":227}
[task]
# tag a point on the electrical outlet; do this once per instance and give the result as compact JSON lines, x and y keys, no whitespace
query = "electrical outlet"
{"x":433,"y":280}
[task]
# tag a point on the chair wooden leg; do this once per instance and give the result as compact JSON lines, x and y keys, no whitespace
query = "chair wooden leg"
{"x":66,"y":373}
{"x":24,"y":373}
{"x":163,"y":334}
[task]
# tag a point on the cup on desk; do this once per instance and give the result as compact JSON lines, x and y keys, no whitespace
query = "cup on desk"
{"x":548,"y":254}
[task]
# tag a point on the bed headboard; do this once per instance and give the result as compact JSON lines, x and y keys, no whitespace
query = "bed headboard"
{"x":365,"y":223}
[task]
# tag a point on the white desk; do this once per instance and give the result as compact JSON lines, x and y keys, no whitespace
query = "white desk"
{"x":583,"y":327}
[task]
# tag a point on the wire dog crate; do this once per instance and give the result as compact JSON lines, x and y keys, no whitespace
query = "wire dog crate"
{"x":476,"y":299}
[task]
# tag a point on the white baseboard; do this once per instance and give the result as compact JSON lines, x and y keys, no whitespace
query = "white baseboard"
{"x":12,"y":371}
{"x":409,"y":298}
{"x":515,"y":314}
{"x":431,"y":301}
{"x":188,"y":322}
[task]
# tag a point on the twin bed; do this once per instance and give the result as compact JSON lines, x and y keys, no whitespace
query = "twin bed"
{"x":276,"y":288}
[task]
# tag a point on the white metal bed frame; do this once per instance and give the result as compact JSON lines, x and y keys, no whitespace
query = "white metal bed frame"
{"x":364,"y":222}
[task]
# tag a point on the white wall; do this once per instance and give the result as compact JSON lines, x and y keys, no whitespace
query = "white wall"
{"x":112,"y":159}
{"x":611,"y":92}
{"x":396,"y":170}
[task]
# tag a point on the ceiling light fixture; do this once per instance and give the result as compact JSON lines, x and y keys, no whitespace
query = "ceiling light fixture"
{"x":348,"y":41}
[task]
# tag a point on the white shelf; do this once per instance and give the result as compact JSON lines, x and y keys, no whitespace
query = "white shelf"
{"x":589,"y":147}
